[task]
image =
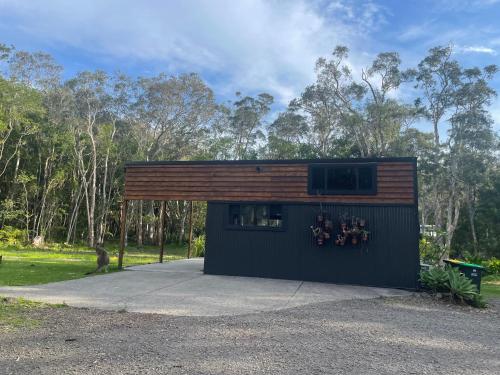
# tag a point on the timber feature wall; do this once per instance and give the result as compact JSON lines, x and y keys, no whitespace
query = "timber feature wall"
{"x":262,"y":180}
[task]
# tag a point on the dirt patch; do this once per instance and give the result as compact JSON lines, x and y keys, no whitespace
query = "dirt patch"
{"x":383,"y":336}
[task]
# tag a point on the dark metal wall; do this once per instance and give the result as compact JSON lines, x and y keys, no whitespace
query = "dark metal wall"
{"x":390,"y":258}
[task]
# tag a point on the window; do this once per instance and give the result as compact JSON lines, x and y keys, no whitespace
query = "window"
{"x":256,"y":215}
{"x":331,"y":179}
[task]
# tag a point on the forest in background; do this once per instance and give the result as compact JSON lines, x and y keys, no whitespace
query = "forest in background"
{"x":64,"y":142}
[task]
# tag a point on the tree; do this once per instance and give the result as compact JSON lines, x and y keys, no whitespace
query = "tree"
{"x":461,"y":94}
{"x":339,"y":108}
{"x":20,"y":110}
{"x":91,"y":101}
{"x":174,"y":112}
{"x":471,"y":143}
{"x":287,"y":137}
{"x":437,"y":76}
{"x":37,"y":70}
{"x":246,"y":123}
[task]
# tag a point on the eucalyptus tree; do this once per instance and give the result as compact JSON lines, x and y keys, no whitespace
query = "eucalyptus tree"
{"x":437,"y":77}
{"x":361,"y":111}
{"x":287,"y":137}
{"x":217,"y":144}
{"x":455,"y":99}
{"x":20,"y":111}
{"x":173,"y":115}
{"x":246,"y":124}
{"x":91,"y":101}
{"x":38,"y":170}
{"x":111,"y":154}
{"x":471,"y":144}
{"x":38,"y":70}
{"x":50,"y":148}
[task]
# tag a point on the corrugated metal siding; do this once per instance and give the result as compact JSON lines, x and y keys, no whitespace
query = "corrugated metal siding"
{"x":389,"y":259}
{"x":257,"y":182}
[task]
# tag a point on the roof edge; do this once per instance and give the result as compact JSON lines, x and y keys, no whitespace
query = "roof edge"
{"x":271,"y":161}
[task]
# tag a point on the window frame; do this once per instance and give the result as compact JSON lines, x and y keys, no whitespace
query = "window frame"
{"x":230,"y":226}
{"x":356,"y":166}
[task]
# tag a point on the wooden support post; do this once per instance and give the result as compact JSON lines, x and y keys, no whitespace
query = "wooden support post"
{"x":190,"y":228}
{"x":162,"y":230}
{"x":123,"y":220}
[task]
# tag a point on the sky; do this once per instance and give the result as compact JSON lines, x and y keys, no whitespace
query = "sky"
{"x":249,"y":46}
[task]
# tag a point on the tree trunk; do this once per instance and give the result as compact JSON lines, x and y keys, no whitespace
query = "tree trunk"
{"x":151,"y":228}
{"x":74,"y":215}
{"x":182,"y":223}
{"x":471,"y":210}
{"x":93,"y":190}
{"x":452,"y":215}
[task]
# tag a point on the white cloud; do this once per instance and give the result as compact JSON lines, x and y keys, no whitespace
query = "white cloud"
{"x":257,"y":45}
{"x":476,"y":49}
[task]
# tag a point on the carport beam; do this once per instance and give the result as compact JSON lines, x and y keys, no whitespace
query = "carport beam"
{"x":190,"y":228}
{"x":123,"y":220}
{"x":162,"y":230}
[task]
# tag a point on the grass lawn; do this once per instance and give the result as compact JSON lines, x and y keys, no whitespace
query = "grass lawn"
{"x":12,"y":313}
{"x":26,"y":265}
{"x":490,"y":286}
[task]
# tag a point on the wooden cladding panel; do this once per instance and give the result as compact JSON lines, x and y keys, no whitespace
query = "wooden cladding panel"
{"x":254,"y":182}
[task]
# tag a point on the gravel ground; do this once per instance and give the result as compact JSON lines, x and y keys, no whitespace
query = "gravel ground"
{"x":410,"y":335}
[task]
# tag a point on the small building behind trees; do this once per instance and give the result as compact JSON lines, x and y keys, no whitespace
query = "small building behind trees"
{"x":350,"y":221}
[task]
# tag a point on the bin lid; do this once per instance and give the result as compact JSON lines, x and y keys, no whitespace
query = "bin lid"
{"x":463,"y":264}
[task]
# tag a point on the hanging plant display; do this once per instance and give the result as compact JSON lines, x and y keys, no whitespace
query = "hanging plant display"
{"x":322,"y":229}
{"x":352,"y":230}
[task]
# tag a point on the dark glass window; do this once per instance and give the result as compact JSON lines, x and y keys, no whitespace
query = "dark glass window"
{"x":255,"y":215}
{"x":365,"y":178}
{"x":342,"y":179}
{"x":234,"y":214}
{"x":317,"y":178}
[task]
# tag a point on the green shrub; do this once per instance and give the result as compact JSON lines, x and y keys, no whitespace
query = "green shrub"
{"x":460,"y":287}
{"x":199,"y":246}
{"x":12,"y":236}
{"x":478,"y":301}
{"x":430,"y":252}
{"x":493,"y":266}
{"x":450,"y":281}
{"x":435,"y":279}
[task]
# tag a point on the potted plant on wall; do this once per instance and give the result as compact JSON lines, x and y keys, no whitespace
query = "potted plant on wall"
{"x":355,"y":233}
{"x":364,"y":235}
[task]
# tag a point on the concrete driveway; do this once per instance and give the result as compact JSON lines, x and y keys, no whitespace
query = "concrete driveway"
{"x":181,"y":288}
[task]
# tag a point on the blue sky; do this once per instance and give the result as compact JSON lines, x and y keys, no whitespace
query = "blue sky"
{"x":250,"y":46}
